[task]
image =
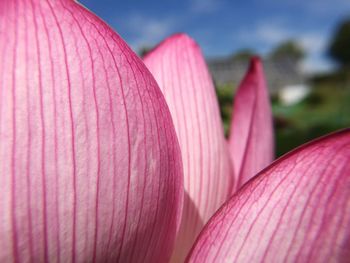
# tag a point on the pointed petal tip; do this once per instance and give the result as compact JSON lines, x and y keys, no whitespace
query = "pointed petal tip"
{"x":180,"y":69}
{"x":256,"y":59}
{"x":251,"y":133}
{"x":177,"y":39}
{"x":255,"y":66}
{"x":182,"y":38}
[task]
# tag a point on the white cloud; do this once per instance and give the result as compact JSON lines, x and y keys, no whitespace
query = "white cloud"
{"x":148,"y":31}
{"x":314,"y":43}
{"x":271,"y":34}
{"x":263,"y":37}
{"x":315,"y":46}
{"x":316,"y":64}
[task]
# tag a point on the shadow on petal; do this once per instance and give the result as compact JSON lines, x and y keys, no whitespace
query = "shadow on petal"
{"x":190,"y":227}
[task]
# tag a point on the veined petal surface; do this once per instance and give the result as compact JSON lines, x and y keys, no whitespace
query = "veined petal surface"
{"x":296,"y":210}
{"x":90,"y":166}
{"x":180,"y":70}
{"x":251,"y":133}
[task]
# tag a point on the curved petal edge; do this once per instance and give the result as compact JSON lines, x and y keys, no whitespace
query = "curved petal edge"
{"x":180,"y":70}
{"x":295,"y":210}
{"x":90,"y":166}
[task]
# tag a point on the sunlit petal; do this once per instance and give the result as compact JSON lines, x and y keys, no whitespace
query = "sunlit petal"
{"x":180,"y":70}
{"x":251,"y":135}
{"x":90,"y":167}
{"x":296,"y":210}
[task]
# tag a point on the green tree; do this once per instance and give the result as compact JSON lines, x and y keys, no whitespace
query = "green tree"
{"x":143,"y":51}
{"x":339,"y":48}
{"x":288,"y":50}
{"x":244,"y":54}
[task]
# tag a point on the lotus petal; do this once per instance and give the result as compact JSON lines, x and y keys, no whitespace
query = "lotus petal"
{"x":90,"y":166}
{"x":296,"y":210}
{"x":251,"y":133}
{"x":180,"y":70}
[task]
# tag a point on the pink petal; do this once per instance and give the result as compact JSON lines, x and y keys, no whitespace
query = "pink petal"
{"x":181,"y":72}
{"x":251,"y":136}
{"x":90,"y":168}
{"x":296,"y":210}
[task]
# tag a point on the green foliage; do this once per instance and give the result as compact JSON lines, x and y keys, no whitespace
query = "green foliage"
{"x":244,"y":54}
{"x":324,"y":110}
{"x":225,"y":97}
{"x":288,"y":50}
{"x":339,"y":48}
{"x":338,"y":78}
{"x":143,"y":51}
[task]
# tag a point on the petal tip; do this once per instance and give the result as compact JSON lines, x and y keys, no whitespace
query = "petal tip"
{"x":255,"y":65}
{"x":180,"y":39}
{"x":251,"y":123}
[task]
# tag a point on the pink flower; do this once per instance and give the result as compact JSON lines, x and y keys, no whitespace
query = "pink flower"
{"x":92,"y":168}
{"x":296,"y":209}
{"x":180,"y":70}
{"x":251,"y":137}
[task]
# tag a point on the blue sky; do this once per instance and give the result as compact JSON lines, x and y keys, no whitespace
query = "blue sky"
{"x":222,"y":27}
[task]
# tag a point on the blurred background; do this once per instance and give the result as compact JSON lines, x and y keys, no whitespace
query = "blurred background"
{"x":305,"y":47}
